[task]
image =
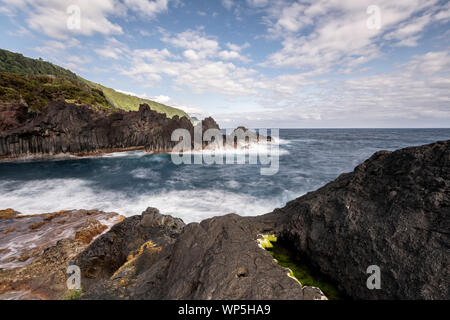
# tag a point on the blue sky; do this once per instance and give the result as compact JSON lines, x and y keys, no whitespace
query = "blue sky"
{"x":259,"y":63}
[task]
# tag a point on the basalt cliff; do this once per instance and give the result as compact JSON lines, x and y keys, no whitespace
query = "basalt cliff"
{"x":392,"y":211}
{"x":67,"y":128}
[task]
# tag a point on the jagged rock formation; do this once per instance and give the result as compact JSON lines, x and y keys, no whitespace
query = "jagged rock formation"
{"x":71,"y":129}
{"x":35,"y":250}
{"x":209,"y":123}
{"x":216,"y":259}
{"x":74,"y":129}
{"x":147,"y":233}
{"x":393,"y":211}
{"x":243,"y":135}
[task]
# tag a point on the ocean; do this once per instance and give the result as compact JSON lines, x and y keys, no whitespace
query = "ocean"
{"x":129,"y":182}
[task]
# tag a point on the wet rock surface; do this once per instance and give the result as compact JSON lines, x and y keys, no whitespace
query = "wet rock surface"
{"x":65,"y":128}
{"x":124,"y":242}
{"x":393,"y":211}
{"x":23,"y":237}
{"x":35,"y":250}
{"x":216,"y":259}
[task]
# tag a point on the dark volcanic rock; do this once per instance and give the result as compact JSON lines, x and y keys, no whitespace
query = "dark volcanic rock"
{"x":67,"y":128}
{"x":125,"y":241}
{"x":393,"y":211}
{"x":242,"y":134}
{"x":44,"y":278}
{"x":35,"y":250}
{"x":24,"y":237}
{"x":209,"y":123}
{"x":216,"y":259}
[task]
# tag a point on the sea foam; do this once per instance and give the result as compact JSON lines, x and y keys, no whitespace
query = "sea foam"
{"x":51,"y":195}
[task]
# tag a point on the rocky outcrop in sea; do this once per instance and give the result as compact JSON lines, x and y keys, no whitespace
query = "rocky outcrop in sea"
{"x":66,"y":128}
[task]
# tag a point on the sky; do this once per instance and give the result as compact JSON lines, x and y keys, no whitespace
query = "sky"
{"x":258,"y":63}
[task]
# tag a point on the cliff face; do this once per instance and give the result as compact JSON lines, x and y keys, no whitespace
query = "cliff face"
{"x":393,"y":211}
{"x":68,"y":128}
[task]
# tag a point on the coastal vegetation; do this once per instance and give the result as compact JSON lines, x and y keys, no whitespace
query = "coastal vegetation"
{"x":131,"y":103}
{"x":74,"y":294}
{"x":49,"y":81}
{"x":39,"y":90}
{"x":298,"y":269}
{"x":18,"y":64}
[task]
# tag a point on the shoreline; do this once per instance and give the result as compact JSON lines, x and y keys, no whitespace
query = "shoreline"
{"x":70,"y":156}
{"x":102,"y":152}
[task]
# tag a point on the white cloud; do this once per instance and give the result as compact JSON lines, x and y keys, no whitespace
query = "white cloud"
{"x":113,"y":49}
{"x":292,"y":18}
{"x":107,"y":53}
{"x":191,"y":110}
{"x":148,"y":8}
{"x":194,"y":42}
{"x":330,"y":33}
{"x":236,"y":47}
{"x":165,"y":100}
{"x":191,"y":55}
{"x":228,"y":4}
{"x":416,"y":92}
{"x":203,"y":66}
{"x":206,"y":76}
{"x":232,"y":55}
{"x":408,"y":33}
{"x":161,"y":99}
{"x":257,"y":3}
{"x":50,"y":17}
{"x":60,"y":52}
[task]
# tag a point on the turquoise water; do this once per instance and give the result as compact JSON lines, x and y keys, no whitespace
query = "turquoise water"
{"x":130,"y":182}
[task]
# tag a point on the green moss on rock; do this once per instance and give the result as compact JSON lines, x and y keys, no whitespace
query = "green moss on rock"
{"x":74,"y":294}
{"x":300,"y":270}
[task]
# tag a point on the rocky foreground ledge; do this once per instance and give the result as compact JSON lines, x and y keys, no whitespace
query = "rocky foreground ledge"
{"x":35,"y":250}
{"x":392,"y":211}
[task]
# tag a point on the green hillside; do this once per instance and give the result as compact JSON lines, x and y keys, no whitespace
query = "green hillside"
{"x":16,"y":63}
{"x":38,"y":90}
{"x":129,"y":103}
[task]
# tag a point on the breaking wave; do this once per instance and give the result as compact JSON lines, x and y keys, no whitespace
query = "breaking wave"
{"x":39,"y":196}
